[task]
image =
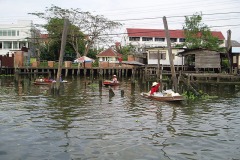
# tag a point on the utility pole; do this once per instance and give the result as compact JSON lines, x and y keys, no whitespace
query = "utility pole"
{"x":159,"y":73}
{"x":63,"y":44}
{"x":229,"y":45}
{"x":174,"y":78}
{"x":158,"y":65}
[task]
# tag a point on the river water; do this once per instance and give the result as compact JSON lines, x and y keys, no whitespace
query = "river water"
{"x":84,"y":122}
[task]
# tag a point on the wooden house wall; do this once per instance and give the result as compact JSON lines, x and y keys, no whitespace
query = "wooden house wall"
{"x":6,"y":61}
{"x":207,"y":59}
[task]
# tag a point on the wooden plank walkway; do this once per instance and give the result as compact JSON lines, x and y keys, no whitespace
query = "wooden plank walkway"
{"x":220,"y":78}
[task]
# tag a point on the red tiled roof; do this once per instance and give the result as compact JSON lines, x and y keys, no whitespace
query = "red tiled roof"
{"x":160,"y":33}
{"x":218,"y":34}
{"x":109,"y":53}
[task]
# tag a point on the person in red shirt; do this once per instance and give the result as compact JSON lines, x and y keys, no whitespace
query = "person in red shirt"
{"x":120,"y":61}
{"x":154,"y":88}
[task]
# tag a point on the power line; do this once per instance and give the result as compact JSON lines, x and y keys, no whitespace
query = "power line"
{"x":172,"y":16}
{"x":168,"y":6}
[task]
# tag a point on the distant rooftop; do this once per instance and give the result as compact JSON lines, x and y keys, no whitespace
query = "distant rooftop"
{"x":141,"y":32}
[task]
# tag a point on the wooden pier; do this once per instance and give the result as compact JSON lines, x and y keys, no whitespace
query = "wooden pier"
{"x":216,"y":78}
{"x":146,"y":73}
{"x":93,"y":71}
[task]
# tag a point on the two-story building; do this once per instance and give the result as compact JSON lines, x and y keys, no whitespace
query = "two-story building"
{"x":153,"y":43}
{"x":145,"y":38}
{"x":15,"y":36}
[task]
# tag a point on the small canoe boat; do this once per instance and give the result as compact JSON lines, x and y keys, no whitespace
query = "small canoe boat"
{"x":165,"y":96}
{"x":45,"y":81}
{"x":110,"y":83}
{"x":42,"y":81}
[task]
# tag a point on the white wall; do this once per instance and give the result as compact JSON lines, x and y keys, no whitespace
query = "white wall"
{"x":177,"y":60}
{"x":22,"y":31}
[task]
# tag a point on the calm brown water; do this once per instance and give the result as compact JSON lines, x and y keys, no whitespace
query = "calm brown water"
{"x":85,"y":123}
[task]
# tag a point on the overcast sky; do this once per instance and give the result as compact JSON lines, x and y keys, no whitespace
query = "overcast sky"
{"x":220,"y":15}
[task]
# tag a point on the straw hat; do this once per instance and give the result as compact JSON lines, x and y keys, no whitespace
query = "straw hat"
{"x":114,"y":76}
{"x":154,"y":84}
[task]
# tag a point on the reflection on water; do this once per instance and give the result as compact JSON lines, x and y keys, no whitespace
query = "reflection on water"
{"x":84,"y":122}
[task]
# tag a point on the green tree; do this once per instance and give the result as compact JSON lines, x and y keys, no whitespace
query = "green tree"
{"x":75,"y":41}
{"x":126,"y":50}
{"x":85,"y":29}
{"x":198,"y":35}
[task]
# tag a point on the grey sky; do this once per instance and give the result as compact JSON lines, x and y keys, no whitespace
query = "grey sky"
{"x":218,"y":15}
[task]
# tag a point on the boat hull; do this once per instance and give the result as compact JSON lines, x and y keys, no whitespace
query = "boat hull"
{"x":110,"y":83}
{"x":47,"y":82}
{"x":42,"y":83}
{"x":164,"y":98}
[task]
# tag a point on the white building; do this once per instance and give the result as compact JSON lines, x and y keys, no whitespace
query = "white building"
{"x":154,"y":43}
{"x":144,"y":38}
{"x":161,"y":53}
{"x":14,"y":36}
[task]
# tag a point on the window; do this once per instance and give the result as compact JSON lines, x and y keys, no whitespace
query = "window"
{"x":154,"y":55}
{"x":0,"y":45}
{"x":17,"y":33}
{"x":4,"y":33}
{"x":147,"y":39}
{"x":160,"y":39}
{"x":7,"y":45}
{"x":13,"y":33}
{"x":15,"y":45}
{"x":181,"y":39}
{"x":134,"y":38}
{"x":234,"y":59}
{"x":9,"y":33}
{"x":173,"y":40}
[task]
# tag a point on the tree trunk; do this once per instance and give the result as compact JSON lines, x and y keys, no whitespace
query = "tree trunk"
{"x":87,"y":48}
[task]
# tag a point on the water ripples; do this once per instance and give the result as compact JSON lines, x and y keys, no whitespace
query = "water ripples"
{"x":86,"y":123}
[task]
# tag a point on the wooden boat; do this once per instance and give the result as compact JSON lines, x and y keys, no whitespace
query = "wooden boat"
{"x":45,"y":81}
{"x":166,"y":96}
{"x":42,"y":81}
{"x":110,"y":83}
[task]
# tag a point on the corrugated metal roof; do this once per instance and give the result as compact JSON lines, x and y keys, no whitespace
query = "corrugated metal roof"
{"x":133,"y":63}
{"x":235,"y":49}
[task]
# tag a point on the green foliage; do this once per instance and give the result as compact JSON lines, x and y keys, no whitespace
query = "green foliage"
{"x":126,"y":50}
{"x":54,"y":28}
{"x":50,"y":52}
{"x":95,"y":63}
{"x":225,"y":64}
{"x":198,"y":35}
{"x":191,"y":96}
{"x":92,"y":26}
{"x":75,"y":42}
{"x":92,"y":53}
